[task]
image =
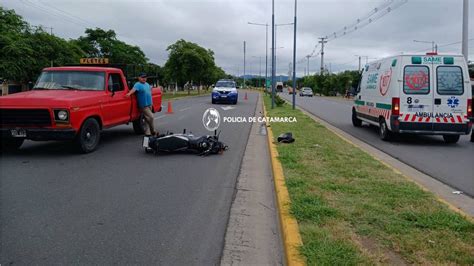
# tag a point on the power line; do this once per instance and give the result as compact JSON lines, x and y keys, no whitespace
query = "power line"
{"x":65,"y":12}
{"x":444,"y":45}
{"x":55,"y":14}
{"x":373,"y":16}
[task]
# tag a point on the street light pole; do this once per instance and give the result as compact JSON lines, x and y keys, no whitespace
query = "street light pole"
{"x":244,"y":64}
{"x":259,"y":70}
{"x":273,"y":54}
{"x":294,"y":58}
{"x":266,"y":48}
{"x":465,"y":14}
{"x":276,"y":30}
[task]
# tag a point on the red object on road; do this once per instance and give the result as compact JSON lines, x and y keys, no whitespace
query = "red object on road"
{"x":246,"y":98}
{"x":72,"y":103}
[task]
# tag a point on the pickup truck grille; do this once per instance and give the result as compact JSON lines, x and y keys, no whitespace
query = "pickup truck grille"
{"x":25,"y":117}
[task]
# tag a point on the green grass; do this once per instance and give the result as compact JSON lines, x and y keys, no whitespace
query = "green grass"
{"x":168,"y":95}
{"x":352,"y":209}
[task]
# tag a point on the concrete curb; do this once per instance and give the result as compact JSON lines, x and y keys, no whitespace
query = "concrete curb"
{"x":403,"y":169}
{"x":288,"y":225}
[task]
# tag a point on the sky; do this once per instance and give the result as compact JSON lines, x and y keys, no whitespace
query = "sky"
{"x":222,"y":26}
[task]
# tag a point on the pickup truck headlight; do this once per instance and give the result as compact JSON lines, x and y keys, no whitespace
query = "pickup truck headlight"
{"x":61,"y":115}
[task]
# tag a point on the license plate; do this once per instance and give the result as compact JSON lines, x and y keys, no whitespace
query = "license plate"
{"x":146,"y":140}
{"x":223,"y":96}
{"x":18,"y":133}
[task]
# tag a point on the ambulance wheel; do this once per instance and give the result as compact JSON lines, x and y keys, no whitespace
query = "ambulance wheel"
{"x":139,"y":125}
{"x":89,"y":136}
{"x":451,"y":138}
{"x":384,"y":133}
{"x":356,"y":121}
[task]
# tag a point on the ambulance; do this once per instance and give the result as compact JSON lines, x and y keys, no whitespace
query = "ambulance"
{"x":417,"y":94}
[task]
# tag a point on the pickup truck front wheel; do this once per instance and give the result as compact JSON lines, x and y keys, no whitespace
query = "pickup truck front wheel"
{"x":139,"y":125}
{"x":89,"y":136}
{"x":11,"y":144}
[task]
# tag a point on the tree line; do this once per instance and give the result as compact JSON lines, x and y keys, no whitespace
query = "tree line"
{"x":25,"y":50}
{"x":331,"y":84}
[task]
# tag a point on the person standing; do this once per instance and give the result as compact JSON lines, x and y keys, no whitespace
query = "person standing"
{"x":143,"y":90}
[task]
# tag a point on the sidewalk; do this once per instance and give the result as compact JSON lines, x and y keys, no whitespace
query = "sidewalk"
{"x":252,"y":236}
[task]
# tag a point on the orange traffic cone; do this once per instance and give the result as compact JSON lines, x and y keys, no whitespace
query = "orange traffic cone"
{"x":170,"y":108}
{"x":246,"y":98}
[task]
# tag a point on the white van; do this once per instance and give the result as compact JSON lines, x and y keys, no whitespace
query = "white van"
{"x":420,"y":94}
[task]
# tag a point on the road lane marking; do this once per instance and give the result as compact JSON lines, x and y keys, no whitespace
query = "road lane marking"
{"x":158,"y":117}
{"x":184,"y":109}
{"x":225,"y":108}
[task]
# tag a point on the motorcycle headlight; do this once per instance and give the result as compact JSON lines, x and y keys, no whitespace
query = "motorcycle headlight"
{"x":61,"y":115}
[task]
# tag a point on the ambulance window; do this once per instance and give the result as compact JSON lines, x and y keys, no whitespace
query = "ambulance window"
{"x":416,"y":80}
{"x":450,"y":80}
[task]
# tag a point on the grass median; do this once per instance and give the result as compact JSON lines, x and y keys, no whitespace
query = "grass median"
{"x":352,"y":209}
{"x":168,"y":95}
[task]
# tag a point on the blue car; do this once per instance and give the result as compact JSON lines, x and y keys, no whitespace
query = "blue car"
{"x":225,"y":91}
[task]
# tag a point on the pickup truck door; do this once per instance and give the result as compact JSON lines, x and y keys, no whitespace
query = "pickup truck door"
{"x":117,"y":109}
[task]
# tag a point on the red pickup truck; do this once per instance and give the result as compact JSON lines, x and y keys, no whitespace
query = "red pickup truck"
{"x":71,"y":103}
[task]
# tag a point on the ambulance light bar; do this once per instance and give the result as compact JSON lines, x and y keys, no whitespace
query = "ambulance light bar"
{"x":416,"y":60}
{"x":448,"y":60}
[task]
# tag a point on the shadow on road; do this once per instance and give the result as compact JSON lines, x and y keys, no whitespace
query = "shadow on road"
{"x":68,"y":148}
{"x":412,"y":139}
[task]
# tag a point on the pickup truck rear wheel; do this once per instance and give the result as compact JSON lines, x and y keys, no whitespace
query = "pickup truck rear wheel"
{"x":89,"y":136}
{"x":139,"y":125}
{"x":11,"y":144}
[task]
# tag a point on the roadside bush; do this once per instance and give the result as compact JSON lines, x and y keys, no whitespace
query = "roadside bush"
{"x":279,"y":101}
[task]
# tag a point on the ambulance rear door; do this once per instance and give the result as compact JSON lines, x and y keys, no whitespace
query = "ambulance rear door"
{"x":450,"y":93}
{"x":416,"y":97}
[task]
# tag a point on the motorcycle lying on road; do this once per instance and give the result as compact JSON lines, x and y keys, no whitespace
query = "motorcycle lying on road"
{"x":171,"y":143}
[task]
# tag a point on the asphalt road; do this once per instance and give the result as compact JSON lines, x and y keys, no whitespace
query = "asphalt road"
{"x":120,"y":205}
{"x":450,"y":164}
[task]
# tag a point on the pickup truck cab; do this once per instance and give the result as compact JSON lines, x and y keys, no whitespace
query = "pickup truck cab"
{"x":71,"y":103}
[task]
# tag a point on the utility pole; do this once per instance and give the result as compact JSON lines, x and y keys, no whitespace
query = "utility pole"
{"x":322,"y":42}
{"x":465,"y":17}
{"x":273,"y":54}
{"x":50,"y":32}
{"x":244,"y":64}
{"x":307,"y":63}
{"x":294,"y":58}
{"x":359,"y":62}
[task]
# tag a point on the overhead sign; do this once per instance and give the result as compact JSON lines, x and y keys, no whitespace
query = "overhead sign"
{"x":94,"y":61}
